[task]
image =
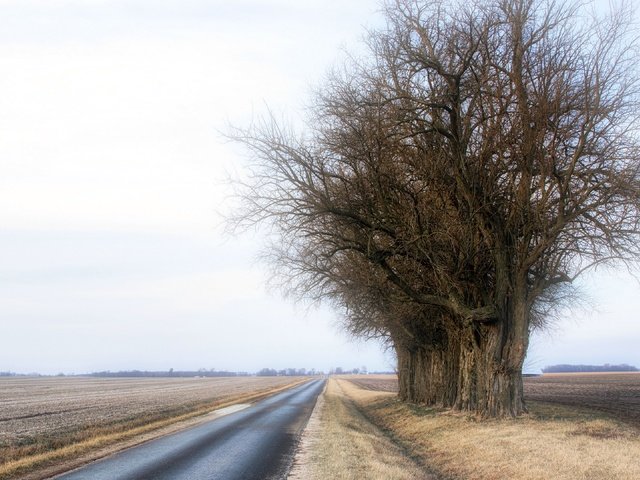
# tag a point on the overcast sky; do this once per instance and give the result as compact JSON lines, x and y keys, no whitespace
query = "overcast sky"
{"x":112,"y":183}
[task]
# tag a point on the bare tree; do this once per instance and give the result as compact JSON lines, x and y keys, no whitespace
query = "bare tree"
{"x":450,"y":187}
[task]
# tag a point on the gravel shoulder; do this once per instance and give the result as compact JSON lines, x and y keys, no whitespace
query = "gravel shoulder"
{"x":340,"y":442}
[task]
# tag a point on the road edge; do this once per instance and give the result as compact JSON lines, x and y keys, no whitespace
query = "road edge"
{"x":51,"y":469}
{"x":298,"y":469}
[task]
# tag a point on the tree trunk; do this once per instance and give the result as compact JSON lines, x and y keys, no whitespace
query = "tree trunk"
{"x":491,"y":359}
{"x":427,"y":374}
{"x":506,"y":395}
{"x":473,"y":368}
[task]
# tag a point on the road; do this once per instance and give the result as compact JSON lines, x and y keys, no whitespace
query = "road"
{"x":255,"y":443}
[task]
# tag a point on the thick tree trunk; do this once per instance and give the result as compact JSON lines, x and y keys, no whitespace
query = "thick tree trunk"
{"x":506,"y":396}
{"x":491,"y":359}
{"x":427,"y":376}
{"x":475,"y":368}
{"x":427,"y":373}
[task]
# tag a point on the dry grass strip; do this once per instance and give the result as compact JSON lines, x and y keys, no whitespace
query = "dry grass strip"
{"x":552,"y":442}
{"x":340,"y":442}
{"x":103,"y":441}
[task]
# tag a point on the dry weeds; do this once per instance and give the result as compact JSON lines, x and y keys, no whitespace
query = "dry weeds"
{"x":552,"y":442}
{"x":340,"y":442}
{"x":45,"y":421}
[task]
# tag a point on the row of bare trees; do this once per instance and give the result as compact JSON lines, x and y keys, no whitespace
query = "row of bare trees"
{"x":450,"y":187}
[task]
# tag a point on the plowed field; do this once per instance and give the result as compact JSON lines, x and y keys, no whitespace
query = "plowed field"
{"x":615,"y":394}
{"x":47,"y":410}
{"x":382,"y":383}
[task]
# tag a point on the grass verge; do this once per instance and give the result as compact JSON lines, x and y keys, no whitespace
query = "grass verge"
{"x":340,"y":442}
{"x":50,"y":456}
{"x":553,"y":441}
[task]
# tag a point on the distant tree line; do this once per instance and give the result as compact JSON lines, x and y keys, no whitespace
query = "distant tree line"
{"x":287,"y":372}
{"x":170,"y":373}
{"x":355,"y":371}
{"x":589,"y":368}
{"x":272,"y":372}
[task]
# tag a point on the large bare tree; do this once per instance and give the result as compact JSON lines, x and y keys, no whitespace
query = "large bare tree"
{"x":449,"y":187}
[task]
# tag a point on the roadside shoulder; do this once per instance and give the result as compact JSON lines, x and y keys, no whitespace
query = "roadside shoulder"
{"x":340,"y":442}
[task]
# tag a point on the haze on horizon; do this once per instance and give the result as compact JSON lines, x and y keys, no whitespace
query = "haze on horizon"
{"x":112,"y":192}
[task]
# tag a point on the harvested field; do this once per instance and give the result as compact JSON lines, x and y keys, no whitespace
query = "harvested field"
{"x":39,"y":415}
{"x":378,"y":383}
{"x":615,"y":394}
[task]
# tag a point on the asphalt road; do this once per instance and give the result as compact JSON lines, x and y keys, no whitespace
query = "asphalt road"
{"x":255,"y":443}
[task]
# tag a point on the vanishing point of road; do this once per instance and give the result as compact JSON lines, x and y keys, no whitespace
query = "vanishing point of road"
{"x":254,"y":443}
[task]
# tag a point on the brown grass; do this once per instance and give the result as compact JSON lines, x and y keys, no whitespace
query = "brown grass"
{"x":53,"y":424}
{"x":341,"y":443}
{"x":553,"y":442}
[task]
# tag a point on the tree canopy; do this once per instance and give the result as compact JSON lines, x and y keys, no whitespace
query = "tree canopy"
{"x":450,"y":187}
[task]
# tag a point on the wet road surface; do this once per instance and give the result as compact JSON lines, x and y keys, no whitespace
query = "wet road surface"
{"x":255,"y":443}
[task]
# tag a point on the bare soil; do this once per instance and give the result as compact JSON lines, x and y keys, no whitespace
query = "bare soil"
{"x":378,"y":383}
{"x":615,"y":394}
{"x":35,"y":406}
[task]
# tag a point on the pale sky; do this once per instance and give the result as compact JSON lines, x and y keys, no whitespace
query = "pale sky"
{"x":112,"y":183}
